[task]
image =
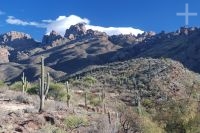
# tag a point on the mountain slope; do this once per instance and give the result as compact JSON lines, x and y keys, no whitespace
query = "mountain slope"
{"x":156,"y":77}
{"x":183,"y":46}
{"x":81,"y":48}
{"x":11,"y":72}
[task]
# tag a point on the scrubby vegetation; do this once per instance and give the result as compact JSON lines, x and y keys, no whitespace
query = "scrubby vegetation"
{"x":57,"y":91}
{"x":72,"y":122}
{"x":144,"y":96}
{"x":1,"y":83}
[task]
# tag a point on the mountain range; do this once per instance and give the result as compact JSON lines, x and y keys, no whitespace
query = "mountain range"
{"x":80,"y":49}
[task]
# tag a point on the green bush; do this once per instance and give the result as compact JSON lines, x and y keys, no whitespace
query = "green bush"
{"x":179,"y":116}
{"x":2,"y":83}
{"x":147,"y":103}
{"x":88,"y":81}
{"x":193,"y":125}
{"x":33,"y":89}
{"x":74,"y":121}
{"x":58,"y":91}
{"x":51,"y":129}
{"x":95,"y":101}
{"x":149,"y":126}
{"x":76,"y":83}
{"x":17,"y":86}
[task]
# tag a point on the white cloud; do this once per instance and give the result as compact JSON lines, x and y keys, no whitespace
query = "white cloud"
{"x":47,"y":20}
{"x":14,"y":21}
{"x":2,"y":13}
{"x":64,"y":22}
{"x":115,"y":30}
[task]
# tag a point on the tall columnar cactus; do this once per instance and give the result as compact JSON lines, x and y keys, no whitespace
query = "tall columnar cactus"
{"x":103,"y":95}
{"x":149,"y":76}
{"x":68,"y":95}
{"x":86,"y":99}
{"x":138,"y":99}
{"x":198,"y":97}
{"x":24,"y":83}
{"x":138,"y":95}
{"x":44,"y":86}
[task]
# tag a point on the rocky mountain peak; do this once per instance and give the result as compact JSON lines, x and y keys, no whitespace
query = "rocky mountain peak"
{"x":51,"y":38}
{"x":186,"y":30}
{"x":80,"y":31}
{"x":54,"y":33}
{"x":12,"y":36}
{"x":17,"y":40}
{"x":75,"y":31}
{"x":130,"y":39}
{"x":146,"y":35}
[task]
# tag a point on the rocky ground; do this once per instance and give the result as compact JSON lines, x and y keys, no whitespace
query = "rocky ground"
{"x":19,"y":113}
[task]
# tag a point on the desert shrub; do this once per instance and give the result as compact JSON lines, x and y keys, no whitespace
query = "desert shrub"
{"x":33,"y":89}
{"x":3,"y":87}
{"x":22,"y":98}
{"x":149,"y":126}
{"x":76,"y":83}
{"x":60,"y":106}
{"x":95,"y":101}
{"x":90,"y":80}
{"x":131,"y":121}
{"x":58,"y":91}
{"x":2,"y":83}
{"x":148,"y":103}
{"x":178,"y":116}
{"x":51,"y":129}
{"x":73,"y":121}
{"x":17,"y":86}
{"x":59,"y":130}
{"x":193,"y":125}
{"x":86,"y":82}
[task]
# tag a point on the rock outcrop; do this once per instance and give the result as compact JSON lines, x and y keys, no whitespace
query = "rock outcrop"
{"x":17,"y":40}
{"x":4,"y":55}
{"x":129,"y":39}
{"x":79,"y":31}
{"x":75,"y":31}
{"x":53,"y":39}
{"x":13,"y":35}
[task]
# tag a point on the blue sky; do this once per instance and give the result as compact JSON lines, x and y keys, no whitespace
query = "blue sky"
{"x":146,"y":15}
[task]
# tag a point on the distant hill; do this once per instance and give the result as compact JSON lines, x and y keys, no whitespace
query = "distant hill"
{"x":157,"y":78}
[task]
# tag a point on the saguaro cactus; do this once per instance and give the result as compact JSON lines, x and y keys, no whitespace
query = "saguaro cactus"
{"x":44,"y":86}
{"x":103,"y":95}
{"x":138,"y":100}
{"x":68,"y":95}
{"x":137,"y":95}
{"x":149,"y":76}
{"x":24,"y":83}
{"x":85,"y":95}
